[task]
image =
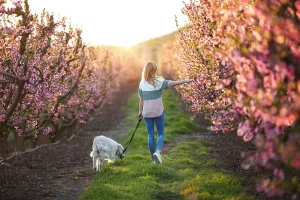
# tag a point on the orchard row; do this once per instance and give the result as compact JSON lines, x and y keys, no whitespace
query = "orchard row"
{"x":244,"y":57}
{"x":49,"y":79}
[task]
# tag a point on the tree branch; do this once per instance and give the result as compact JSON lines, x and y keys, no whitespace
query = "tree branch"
{"x":9,"y":75}
{"x":4,"y":82}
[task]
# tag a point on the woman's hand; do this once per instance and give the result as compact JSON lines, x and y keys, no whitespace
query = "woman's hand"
{"x":140,"y":116}
{"x":187,"y":80}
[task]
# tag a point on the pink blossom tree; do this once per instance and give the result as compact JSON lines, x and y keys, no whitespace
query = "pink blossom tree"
{"x":244,"y":57}
{"x":49,"y":78}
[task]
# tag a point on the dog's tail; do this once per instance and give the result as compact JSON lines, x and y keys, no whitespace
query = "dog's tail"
{"x":95,"y":152}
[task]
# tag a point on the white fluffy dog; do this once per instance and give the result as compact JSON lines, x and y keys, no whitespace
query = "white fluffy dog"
{"x":105,"y":148}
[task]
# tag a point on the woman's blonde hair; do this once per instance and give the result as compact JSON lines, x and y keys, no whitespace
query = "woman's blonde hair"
{"x":149,"y":72}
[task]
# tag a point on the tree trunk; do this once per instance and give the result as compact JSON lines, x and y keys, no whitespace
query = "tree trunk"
{"x":19,"y":143}
{"x":4,"y":146}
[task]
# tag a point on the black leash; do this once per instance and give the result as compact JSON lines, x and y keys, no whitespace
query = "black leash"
{"x":121,"y":155}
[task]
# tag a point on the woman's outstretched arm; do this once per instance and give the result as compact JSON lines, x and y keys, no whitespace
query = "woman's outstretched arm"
{"x":175,"y":83}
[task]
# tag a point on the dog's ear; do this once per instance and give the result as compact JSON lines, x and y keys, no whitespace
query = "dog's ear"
{"x":120,"y":152}
{"x":120,"y":147}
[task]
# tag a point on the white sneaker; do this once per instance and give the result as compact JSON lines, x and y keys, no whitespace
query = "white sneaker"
{"x":157,"y":158}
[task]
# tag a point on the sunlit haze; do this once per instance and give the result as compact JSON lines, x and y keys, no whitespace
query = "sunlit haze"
{"x":117,"y":22}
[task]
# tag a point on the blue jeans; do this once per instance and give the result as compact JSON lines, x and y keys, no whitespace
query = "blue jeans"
{"x":159,"y":122}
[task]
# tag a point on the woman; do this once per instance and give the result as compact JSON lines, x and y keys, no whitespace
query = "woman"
{"x":151,"y":106}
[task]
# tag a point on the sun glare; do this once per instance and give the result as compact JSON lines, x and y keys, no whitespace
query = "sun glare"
{"x":118,"y":22}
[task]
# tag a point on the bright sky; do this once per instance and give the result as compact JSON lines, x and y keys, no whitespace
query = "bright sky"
{"x":117,"y":22}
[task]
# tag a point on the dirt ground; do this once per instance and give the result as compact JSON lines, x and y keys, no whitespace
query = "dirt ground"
{"x":63,"y":170}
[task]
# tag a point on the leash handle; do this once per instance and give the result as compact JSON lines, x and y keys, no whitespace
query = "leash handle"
{"x":140,"y":119}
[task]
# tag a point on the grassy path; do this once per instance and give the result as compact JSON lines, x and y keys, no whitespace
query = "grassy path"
{"x":188,"y":170}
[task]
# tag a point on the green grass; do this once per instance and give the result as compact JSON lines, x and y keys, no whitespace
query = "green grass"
{"x":187,"y":171}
